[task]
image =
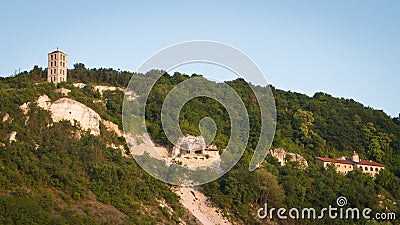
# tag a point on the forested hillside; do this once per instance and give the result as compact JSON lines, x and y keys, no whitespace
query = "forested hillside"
{"x":53,"y":173}
{"x":54,"y":177}
{"x":310,"y":126}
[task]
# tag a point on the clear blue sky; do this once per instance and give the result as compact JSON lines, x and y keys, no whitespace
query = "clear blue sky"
{"x":348,"y":49}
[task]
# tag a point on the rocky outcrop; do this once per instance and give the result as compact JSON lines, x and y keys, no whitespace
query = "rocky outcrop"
{"x":6,"y":117}
{"x":101,"y":88}
{"x":68,"y":109}
{"x":283,"y":157}
{"x":44,"y":102}
{"x":112,"y":127}
{"x":79,"y":85}
{"x":12,"y":136}
{"x":25,"y":108}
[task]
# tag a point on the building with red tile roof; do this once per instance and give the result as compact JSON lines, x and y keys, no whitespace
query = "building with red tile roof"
{"x":345,"y":165}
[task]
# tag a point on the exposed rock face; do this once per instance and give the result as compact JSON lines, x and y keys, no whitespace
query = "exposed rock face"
{"x":25,"y":107}
{"x":130,"y":95}
{"x":101,"y":88}
{"x":12,"y":136}
{"x":44,"y":102}
{"x":6,"y":117}
{"x":68,"y":109}
{"x":283,"y":157}
{"x":198,"y":205}
{"x":79,"y":85}
{"x":112,"y":127}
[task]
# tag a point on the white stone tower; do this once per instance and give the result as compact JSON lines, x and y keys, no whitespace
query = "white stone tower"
{"x":355,"y":157}
{"x":57,"y":67}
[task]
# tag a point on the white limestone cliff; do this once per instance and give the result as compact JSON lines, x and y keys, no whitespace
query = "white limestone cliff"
{"x":68,"y":109}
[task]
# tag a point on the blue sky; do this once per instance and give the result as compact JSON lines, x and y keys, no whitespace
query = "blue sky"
{"x":348,"y":49}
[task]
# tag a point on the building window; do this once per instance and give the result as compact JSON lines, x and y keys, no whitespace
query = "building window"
{"x":361,"y":167}
{"x":366,"y":168}
{"x":371,"y":169}
{"x":51,"y":57}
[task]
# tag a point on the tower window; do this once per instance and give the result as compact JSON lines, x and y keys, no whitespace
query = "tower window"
{"x":51,"y":57}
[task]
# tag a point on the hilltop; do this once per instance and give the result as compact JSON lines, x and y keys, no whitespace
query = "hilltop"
{"x":57,"y":172}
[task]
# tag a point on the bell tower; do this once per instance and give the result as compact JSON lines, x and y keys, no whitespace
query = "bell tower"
{"x":57,"y":67}
{"x":355,"y":157}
